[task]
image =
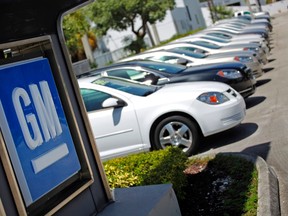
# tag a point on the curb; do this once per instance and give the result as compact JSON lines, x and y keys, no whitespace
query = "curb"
{"x":268,"y":188}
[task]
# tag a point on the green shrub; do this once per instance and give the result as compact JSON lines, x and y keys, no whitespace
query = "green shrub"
{"x":156,"y":167}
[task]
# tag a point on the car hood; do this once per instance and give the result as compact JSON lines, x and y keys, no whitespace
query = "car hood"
{"x":240,"y":45}
{"x":215,"y":66}
{"x":192,"y":89}
{"x":230,"y":54}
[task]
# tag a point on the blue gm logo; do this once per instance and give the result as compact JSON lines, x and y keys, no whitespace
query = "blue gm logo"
{"x":35,"y":128}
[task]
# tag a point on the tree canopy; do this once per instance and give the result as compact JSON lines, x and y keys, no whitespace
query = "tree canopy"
{"x":222,"y":12}
{"x":122,"y":14}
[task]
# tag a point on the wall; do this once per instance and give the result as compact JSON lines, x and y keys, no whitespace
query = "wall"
{"x":197,"y":19}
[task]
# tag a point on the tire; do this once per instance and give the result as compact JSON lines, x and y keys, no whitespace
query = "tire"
{"x":167,"y":133}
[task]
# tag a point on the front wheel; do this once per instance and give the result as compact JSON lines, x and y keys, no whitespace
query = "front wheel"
{"x":177,"y":131}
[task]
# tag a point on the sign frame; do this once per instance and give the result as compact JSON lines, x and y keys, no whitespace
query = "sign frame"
{"x":70,"y":188}
{"x":2,"y":210}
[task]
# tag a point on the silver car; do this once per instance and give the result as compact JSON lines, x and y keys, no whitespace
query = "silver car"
{"x":188,"y":58}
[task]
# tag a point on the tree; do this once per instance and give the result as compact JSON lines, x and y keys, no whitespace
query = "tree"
{"x":75,"y":26}
{"x":222,"y":12}
{"x":122,"y":14}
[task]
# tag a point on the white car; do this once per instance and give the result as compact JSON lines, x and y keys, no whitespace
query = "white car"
{"x":240,"y":39}
{"x":233,"y":37}
{"x":128,"y":117}
{"x":240,"y":26}
{"x":225,"y":42}
{"x":261,"y":32}
{"x":254,"y":14}
{"x":217,"y":51}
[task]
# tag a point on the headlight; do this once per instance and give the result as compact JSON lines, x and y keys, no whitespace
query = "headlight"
{"x":229,"y":74}
{"x":213,"y":98}
{"x":243,"y":59}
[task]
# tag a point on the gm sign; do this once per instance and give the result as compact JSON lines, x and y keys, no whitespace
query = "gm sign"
{"x":35,"y":128}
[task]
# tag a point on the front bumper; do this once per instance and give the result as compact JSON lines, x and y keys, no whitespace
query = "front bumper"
{"x":255,"y":68}
{"x":224,"y":116}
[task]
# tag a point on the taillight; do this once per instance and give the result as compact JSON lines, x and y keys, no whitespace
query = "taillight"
{"x":236,"y":58}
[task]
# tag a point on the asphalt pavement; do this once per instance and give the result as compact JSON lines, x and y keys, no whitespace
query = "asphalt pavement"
{"x":264,"y":131}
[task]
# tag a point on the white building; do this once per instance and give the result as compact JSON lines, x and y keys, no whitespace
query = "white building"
{"x":186,"y":16}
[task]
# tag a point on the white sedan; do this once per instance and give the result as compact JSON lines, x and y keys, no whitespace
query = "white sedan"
{"x":128,"y":117}
{"x":225,"y":42}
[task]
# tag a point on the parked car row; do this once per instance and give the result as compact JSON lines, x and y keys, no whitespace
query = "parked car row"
{"x":174,"y":94}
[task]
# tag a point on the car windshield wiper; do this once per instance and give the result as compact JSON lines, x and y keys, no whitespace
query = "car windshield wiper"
{"x":152,"y":91}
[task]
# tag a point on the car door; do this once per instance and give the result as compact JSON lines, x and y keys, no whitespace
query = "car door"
{"x":115,"y":129}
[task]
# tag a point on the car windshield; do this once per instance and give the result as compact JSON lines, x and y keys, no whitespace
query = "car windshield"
{"x":188,"y":53}
{"x":127,"y":86}
{"x":166,"y":67}
{"x":219,"y":35}
{"x":216,"y":39}
{"x":206,"y":44}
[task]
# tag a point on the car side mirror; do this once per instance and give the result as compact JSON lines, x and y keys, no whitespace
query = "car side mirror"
{"x":182,"y":62}
{"x":151,"y":79}
{"x":163,"y":81}
{"x":113,"y":102}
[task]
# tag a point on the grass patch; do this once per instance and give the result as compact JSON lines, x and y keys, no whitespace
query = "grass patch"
{"x":223,"y":185}
{"x":175,"y":37}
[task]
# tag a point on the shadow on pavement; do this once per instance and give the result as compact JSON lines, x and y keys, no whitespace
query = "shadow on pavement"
{"x":271,"y":60}
{"x":262,"y":82}
{"x":266,"y":70}
{"x":261,"y":150}
{"x":254,"y":101}
{"x":233,"y":135}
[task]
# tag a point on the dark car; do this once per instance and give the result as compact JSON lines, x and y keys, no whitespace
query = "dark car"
{"x":235,"y":74}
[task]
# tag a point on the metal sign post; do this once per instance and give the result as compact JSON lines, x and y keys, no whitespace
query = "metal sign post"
{"x":48,"y":157}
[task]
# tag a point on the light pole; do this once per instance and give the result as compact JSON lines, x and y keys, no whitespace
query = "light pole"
{"x":211,"y":8}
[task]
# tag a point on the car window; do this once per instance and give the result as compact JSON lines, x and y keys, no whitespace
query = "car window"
{"x":187,"y":52}
{"x":122,"y":73}
{"x":93,"y":99}
{"x":231,"y":28}
{"x":216,"y":39}
{"x":168,"y":59}
{"x":132,"y":74}
{"x":193,"y":49}
{"x":127,"y":86}
{"x":206,"y":44}
{"x":169,"y":68}
{"x":224,"y":36}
